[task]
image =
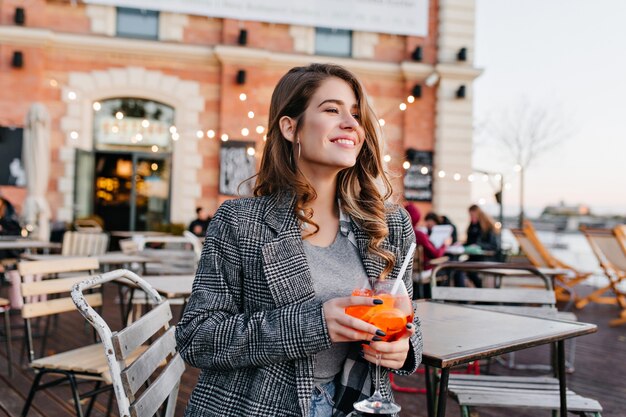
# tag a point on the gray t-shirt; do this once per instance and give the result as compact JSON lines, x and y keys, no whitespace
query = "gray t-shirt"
{"x":336,"y":271}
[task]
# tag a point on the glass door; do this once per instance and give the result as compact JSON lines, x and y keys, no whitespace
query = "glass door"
{"x":132,"y":190}
{"x":152,"y":191}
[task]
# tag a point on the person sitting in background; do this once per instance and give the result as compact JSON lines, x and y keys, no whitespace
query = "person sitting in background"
{"x":9,"y":224}
{"x":445,"y":220}
{"x":481,"y":232}
{"x":431,"y":220}
{"x":201,"y":223}
{"x":430,"y":252}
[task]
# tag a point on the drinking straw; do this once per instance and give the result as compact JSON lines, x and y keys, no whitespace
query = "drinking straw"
{"x":405,"y":264}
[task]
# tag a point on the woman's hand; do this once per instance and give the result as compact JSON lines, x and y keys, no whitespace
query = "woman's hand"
{"x":345,"y":328}
{"x":393,"y":354}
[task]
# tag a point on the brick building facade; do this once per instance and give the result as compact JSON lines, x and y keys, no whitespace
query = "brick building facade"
{"x":73,"y":61}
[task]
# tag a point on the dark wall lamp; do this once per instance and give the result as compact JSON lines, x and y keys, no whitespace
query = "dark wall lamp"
{"x":416,"y":91}
{"x":17,"y":61}
{"x":460,"y":92}
{"x":243,"y":37}
{"x":462,"y":54}
{"x":20,"y":16}
{"x":417,"y":54}
{"x":241,"y":77}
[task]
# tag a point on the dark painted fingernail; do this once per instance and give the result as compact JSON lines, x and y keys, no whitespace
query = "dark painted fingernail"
{"x":378,"y":301}
{"x":380,"y":333}
{"x":376,"y":339}
{"x":409,"y":325}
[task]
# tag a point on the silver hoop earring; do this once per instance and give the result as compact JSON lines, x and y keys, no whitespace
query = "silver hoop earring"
{"x":299,"y":149}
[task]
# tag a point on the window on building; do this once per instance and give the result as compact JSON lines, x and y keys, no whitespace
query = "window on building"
{"x":137,"y":23}
{"x":335,"y":42}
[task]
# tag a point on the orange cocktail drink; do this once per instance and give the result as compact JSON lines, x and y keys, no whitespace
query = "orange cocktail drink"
{"x":391,"y":316}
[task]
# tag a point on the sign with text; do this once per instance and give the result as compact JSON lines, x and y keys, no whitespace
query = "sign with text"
{"x":131,"y":131}
{"x":237,"y":167}
{"x":418,"y":179}
{"x":401,"y":17}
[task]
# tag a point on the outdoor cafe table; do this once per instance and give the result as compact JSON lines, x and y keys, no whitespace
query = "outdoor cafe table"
{"x":108,"y":259}
{"x":456,"y":334}
{"x":27,"y":244}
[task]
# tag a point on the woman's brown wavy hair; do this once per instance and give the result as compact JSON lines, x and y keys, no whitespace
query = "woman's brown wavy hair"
{"x":357,"y":186}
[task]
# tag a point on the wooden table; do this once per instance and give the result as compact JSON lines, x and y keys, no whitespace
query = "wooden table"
{"x":109,"y":259}
{"x":27,"y":244}
{"x":455,"y":334}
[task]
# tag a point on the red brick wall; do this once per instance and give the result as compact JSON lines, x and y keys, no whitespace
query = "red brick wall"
{"x":224,"y":112}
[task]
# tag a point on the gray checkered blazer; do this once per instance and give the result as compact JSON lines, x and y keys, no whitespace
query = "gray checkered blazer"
{"x":252,"y":324}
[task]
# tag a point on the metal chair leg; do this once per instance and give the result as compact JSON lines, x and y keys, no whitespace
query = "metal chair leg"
{"x":7,"y":331}
{"x":31,"y":394}
{"x":75,"y":395}
{"x":92,"y":400}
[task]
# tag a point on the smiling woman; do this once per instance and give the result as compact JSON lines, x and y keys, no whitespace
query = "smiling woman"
{"x":268,"y":305}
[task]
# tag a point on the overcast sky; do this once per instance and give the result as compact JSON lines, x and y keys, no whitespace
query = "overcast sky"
{"x":570,"y":55}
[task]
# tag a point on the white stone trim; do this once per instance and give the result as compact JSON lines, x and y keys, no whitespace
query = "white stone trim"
{"x":303,"y":39}
{"x":364,"y":45}
{"x":183,"y":95}
{"x":103,"y":19}
{"x":172,"y":26}
{"x":456,"y":30}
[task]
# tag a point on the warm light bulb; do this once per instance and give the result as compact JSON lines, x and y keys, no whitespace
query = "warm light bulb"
{"x":210,"y":134}
{"x":119,"y":115}
{"x":424,"y":170}
{"x":251,"y":151}
{"x":224,"y":137}
{"x":250,"y":115}
{"x":381,"y":122}
{"x":245,"y":132}
{"x":175,"y":136}
{"x":71,"y":95}
{"x":406,"y":165}
{"x":243,"y":97}
{"x":260,"y":129}
{"x":154,"y":166}
{"x":139,"y":137}
{"x":481,"y":201}
{"x":402,"y":106}
{"x":457,"y":177}
{"x":387,"y":158}
{"x":172,"y":129}
{"x":145,"y":123}
{"x":97,"y":106}
{"x":470,"y":178}
{"x":74,"y":135}
{"x":199,"y":134}
{"x":410,"y":99}
{"x":155,"y":148}
{"x":442,"y":174}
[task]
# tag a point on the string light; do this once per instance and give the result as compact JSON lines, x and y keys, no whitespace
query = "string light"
{"x":406,"y":165}
{"x":210,"y":134}
{"x":175,"y":136}
{"x":424,"y":170}
{"x":381,"y":122}
{"x":485,"y":177}
{"x":96,"y":106}
{"x":154,"y":166}
{"x":199,"y":134}
{"x":250,"y":115}
{"x":457,"y":177}
{"x":251,"y":151}
{"x":172,"y":129}
{"x":119,"y":115}
{"x":387,"y":158}
{"x":71,"y":95}
{"x":402,"y":106}
{"x":481,"y":201}
{"x":74,"y":135}
{"x":243,"y":97}
{"x":138,"y":137}
{"x":54,"y":83}
{"x":441,"y":174}
{"x":245,"y":132}
{"x":260,"y":129}
{"x":470,"y":177}
{"x":517,"y":168}
{"x":155,"y":148}
{"x":410,"y":99}
{"x":224,"y":137}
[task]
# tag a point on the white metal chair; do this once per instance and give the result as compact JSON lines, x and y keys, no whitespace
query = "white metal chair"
{"x":152,"y":336}
{"x":5,"y":308}
{"x":84,"y":243}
